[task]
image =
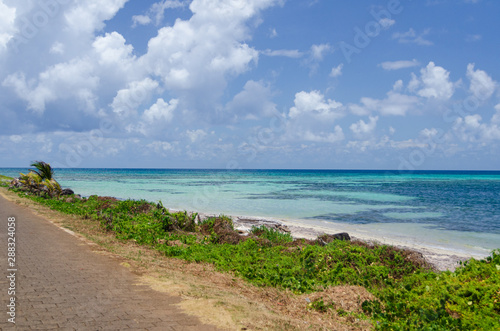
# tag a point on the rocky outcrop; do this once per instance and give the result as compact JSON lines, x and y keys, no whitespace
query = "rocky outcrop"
{"x":67,"y":191}
{"x":328,"y":238}
{"x":15,"y":183}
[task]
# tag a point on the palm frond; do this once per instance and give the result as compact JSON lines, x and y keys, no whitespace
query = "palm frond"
{"x":45,"y":171}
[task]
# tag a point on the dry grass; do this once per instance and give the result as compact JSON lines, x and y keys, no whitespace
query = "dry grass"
{"x":217,"y":298}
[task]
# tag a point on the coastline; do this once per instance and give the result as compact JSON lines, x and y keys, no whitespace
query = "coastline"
{"x":443,"y":255}
{"x":441,"y":258}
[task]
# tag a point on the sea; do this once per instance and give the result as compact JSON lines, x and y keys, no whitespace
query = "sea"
{"x":457,"y":211}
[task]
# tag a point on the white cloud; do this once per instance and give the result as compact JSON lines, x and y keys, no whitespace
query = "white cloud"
{"x":196,"y":135}
{"x":482,"y":86}
{"x":161,"y":111}
{"x":398,"y":86}
{"x":61,"y":81}
{"x":434,"y":82}
{"x":331,"y":137}
{"x":361,"y":128}
{"x":428,"y":133}
{"x":396,"y":65}
{"x":90,"y":15}
{"x":395,"y":104}
{"x":411,"y":37}
{"x":386,"y":22}
{"x":7,"y":24}
{"x":314,"y":104}
{"x":158,"y":9}
{"x":337,"y":71}
{"x":112,"y":50}
{"x":16,"y":139}
{"x":319,"y":51}
{"x":200,"y":53}
{"x":471,"y":129}
{"x":160,"y":147}
{"x":255,"y":99}
{"x":57,"y":48}
{"x":129,"y":99}
{"x":273,"y":33}
{"x":291,"y":53}
{"x":496,"y":118}
{"x":140,"y":20}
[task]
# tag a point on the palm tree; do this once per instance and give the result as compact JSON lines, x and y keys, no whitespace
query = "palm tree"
{"x":45,"y":171}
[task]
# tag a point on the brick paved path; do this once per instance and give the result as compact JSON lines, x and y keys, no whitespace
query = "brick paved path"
{"x":63,"y":284}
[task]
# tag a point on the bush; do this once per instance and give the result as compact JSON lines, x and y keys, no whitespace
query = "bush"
{"x":409,"y":296}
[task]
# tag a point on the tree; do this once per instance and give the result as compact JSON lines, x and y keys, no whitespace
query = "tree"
{"x":45,"y":171}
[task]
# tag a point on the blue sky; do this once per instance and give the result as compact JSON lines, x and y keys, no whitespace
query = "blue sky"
{"x":250,"y":84}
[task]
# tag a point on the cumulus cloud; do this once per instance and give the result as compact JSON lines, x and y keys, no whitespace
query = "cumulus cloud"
{"x":161,"y":111}
{"x":471,"y":129}
{"x":196,"y":135}
{"x":311,"y":118}
{"x":140,"y":20}
{"x":200,"y":53}
{"x":337,"y":71}
{"x":321,"y":137}
{"x":71,"y":79}
{"x":319,"y":51}
{"x":482,"y":86}
{"x":7,"y":24}
{"x":496,"y":117}
{"x":158,"y":9}
{"x":313,"y":104}
{"x":90,"y":15}
{"x":129,"y":99}
{"x":434,"y":82}
{"x":362,"y":128}
{"x":113,"y":50}
{"x":254,"y":100}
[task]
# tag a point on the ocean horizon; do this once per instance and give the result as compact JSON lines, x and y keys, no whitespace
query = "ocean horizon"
{"x":447,"y":209}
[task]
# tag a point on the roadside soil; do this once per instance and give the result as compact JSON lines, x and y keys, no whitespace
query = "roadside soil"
{"x":219,"y":299}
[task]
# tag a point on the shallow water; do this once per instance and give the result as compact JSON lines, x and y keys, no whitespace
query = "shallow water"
{"x":448,"y":209}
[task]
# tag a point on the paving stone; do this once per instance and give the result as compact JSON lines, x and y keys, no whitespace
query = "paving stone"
{"x":61,"y":283}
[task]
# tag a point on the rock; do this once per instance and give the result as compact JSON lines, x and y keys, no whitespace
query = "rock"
{"x":15,"y":183}
{"x":328,"y":238}
{"x":67,"y":191}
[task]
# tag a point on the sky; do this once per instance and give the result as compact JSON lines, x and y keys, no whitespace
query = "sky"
{"x":255,"y":84}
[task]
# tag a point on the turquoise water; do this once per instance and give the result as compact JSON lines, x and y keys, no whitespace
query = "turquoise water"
{"x":438,"y":204}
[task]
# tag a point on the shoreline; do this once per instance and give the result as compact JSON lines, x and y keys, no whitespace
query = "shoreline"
{"x":441,"y":258}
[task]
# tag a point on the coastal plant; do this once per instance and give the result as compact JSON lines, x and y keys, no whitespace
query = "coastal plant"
{"x":31,"y":181}
{"x":40,"y":181}
{"x":273,"y":235}
{"x":43,"y":169}
{"x":408,"y":295}
{"x":4,"y":181}
{"x":175,"y":221}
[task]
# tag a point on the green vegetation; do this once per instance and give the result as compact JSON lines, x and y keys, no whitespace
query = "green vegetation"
{"x":272,"y":235}
{"x":4,"y":180}
{"x":409,"y":296}
{"x":44,"y":170}
{"x":39,"y":181}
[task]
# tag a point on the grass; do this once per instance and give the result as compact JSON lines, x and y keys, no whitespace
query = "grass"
{"x":405,"y":295}
{"x":4,"y":180}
